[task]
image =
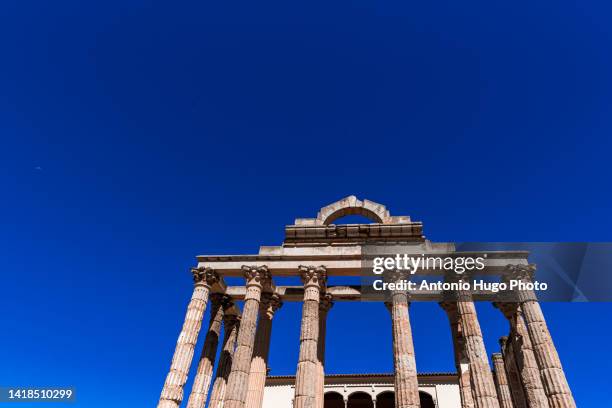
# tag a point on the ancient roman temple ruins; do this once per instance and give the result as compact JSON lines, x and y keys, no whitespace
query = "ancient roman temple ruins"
{"x":526,"y":373}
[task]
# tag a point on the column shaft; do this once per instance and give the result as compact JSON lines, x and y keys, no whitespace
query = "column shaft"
{"x":231,"y":325}
{"x":483,"y":386}
{"x":238,"y":380}
{"x":524,"y":357}
{"x":324,"y":306}
{"x":259,"y":363}
{"x":404,"y":362}
{"x":306,"y":376}
{"x":501,"y":382}
{"x":461,"y":363}
{"x":555,"y":384}
{"x":514,"y":378}
{"x":172,"y":393}
{"x":201,"y":383}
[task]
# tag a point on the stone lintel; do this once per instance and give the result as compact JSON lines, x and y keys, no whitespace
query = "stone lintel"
{"x":351,"y":293}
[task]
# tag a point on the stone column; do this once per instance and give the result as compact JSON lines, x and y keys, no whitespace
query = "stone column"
{"x":237,"y":383}
{"x":404,"y":362}
{"x":199,"y":390}
{"x":520,"y":343}
{"x":231,"y":325}
{"x":325,"y":304}
{"x":172,"y":393}
{"x":556,"y":386}
{"x":484,"y":393}
{"x":514,"y":379}
{"x":306,"y":390}
{"x":270,"y":303}
{"x":501,"y":382}
{"x":461,"y":363}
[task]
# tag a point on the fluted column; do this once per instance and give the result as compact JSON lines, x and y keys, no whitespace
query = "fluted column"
{"x":172,"y":393}
{"x":231,"y":325}
{"x":306,"y":390}
{"x":259,"y":363}
{"x":514,"y":378}
{"x":461,"y":362}
{"x":404,"y":362}
{"x":201,"y":383}
{"x":325,"y":304}
{"x":526,"y":363}
{"x":556,"y":386}
{"x":237,"y":383}
{"x":484,"y":393}
{"x":501,"y":382}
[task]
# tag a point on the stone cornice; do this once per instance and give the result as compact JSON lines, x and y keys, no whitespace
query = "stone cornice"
{"x":358,"y":233}
{"x":341,"y":262}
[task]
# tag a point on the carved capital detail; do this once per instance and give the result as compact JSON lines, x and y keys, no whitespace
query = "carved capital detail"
{"x":270,"y":303}
{"x":449,"y":307}
{"x":395,"y":275}
{"x":508,"y":309}
{"x":205,"y":275}
{"x":326,"y":302}
{"x":217,"y":299}
{"x":522,"y":272}
{"x":230,"y":320}
{"x":502,"y":342}
{"x":257,"y":275}
{"x":227,"y":302}
{"x":313,"y":275}
{"x":454,"y":277}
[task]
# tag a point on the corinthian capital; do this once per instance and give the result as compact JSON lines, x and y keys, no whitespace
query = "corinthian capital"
{"x":257,"y":275}
{"x":522,"y":272}
{"x":270,"y":303}
{"x":508,"y":309}
{"x":230,"y":320}
{"x":395,"y":275}
{"x":206,"y":276}
{"x":313,"y":275}
{"x":326,"y":302}
{"x":502,"y":343}
{"x":450,"y":308}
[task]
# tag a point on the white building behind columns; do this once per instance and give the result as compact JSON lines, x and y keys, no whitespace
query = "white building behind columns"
{"x":439,"y":390}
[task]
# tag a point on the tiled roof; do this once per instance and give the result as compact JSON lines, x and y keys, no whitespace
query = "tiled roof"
{"x":362,"y":375}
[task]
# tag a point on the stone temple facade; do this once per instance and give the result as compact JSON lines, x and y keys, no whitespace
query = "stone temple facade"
{"x":526,"y":373}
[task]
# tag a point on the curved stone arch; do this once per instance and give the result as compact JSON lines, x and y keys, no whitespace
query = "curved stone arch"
{"x":426,"y":400}
{"x":358,"y":392}
{"x":361,"y":398}
{"x":350,"y":205}
{"x":385,"y":399}
{"x":385,"y":392}
{"x":330,"y":393}
{"x":333,"y":399}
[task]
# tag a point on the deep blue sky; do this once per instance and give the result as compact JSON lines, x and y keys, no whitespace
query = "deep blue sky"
{"x":136,"y":135}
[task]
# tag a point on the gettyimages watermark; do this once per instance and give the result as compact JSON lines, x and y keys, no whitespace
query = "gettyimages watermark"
{"x":508,"y":272}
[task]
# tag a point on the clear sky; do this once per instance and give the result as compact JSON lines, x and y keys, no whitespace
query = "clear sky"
{"x":136,"y":135}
